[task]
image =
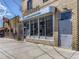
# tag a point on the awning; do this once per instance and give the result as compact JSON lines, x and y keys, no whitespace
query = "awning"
{"x":49,"y":9}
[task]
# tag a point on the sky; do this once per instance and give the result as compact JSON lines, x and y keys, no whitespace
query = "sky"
{"x":12,"y":7}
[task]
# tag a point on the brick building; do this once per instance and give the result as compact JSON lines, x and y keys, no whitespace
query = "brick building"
{"x":11,"y":26}
{"x":7,"y":26}
{"x":53,"y":22}
{"x":14,"y":24}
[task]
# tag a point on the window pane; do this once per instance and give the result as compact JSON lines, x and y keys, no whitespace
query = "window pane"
{"x":65,"y":23}
{"x":42,"y":28}
{"x":32,"y":28}
{"x":49,"y":26}
{"x":26,"y":28}
{"x":29,"y":4}
{"x":35,"y":27}
{"x":66,"y":15}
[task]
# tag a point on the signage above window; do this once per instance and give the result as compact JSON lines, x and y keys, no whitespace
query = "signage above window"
{"x":49,"y":9}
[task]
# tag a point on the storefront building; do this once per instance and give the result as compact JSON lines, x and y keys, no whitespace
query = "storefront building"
{"x":51,"y":22}
{"x":39,"y":25}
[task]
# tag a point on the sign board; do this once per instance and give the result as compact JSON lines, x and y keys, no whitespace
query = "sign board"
{"x":49,"y":9}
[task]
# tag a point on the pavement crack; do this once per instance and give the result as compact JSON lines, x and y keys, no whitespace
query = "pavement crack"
{"x":72,"y":55}
{"x":59,"y":53}
{"x":5,"y":55}
{"x":39,"y":55}
{"x":8,"y":54}
{"x":46,"y":52}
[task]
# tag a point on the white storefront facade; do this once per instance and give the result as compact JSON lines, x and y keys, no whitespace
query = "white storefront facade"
{"x":39,"y":25}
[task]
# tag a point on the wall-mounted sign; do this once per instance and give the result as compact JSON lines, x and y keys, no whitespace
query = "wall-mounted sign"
{"x":49,"y":9}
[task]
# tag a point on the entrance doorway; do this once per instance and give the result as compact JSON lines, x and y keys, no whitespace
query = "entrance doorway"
{"x":65,"y":29}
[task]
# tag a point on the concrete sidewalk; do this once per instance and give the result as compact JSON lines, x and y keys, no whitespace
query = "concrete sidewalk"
{"x":11,"y":49}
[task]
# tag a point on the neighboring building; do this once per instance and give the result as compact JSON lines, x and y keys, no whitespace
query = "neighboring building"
{"x":7,"y":26}
{"x":14,"y":24}
{"x":11,"y":26}
{"x":53,"y":22}
{"x":17,"y":28}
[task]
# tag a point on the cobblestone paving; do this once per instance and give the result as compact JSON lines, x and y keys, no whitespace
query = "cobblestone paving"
{"x":11,"y":49}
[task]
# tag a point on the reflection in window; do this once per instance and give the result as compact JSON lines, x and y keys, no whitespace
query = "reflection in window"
{"x":26,"y":28}
{"x":45,"y":26}
{"x":65,"y":23}
{"x":29,"y":4}
{"x":66,"y":15}
{"x":35,"y":27}
{"x":49,"y":26}
{"x":42,"y":27}
{"x":32,"y":31}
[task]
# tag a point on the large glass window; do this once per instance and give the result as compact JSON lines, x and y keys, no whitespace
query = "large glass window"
{"x":66,"y":15}
{"x":29,"y":4}
{"x":32,"y":28}
{"x":42,"y":27}
{"x":35,"y":27}
{"x":26,"y":28}
{"x":65,"y":22}
{"x":49,"y":26}
{"x":45,"y":26}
